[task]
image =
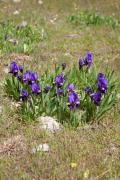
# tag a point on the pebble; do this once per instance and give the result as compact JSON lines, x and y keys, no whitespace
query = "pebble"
{"x":23,"y":24}
{"x":40,"y":2}
{"x":41,"y":147}
{"x":49,"y":123}
{"x":16,"y":12}
{"x":16,"y":1}
{"x":1,"y":109}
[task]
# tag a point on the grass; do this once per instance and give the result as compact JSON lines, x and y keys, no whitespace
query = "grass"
{"x":94,"y":148}
{"x":21,"y":38}
{"x":92,"y":18}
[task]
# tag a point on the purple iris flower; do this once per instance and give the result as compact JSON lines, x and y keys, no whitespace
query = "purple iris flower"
{"x":100,"y":75}
{"x":14,"y":68}
{"x":81,"y":63}
{"x":58,"y":81}
{"x":70,"y":87}
{"x":47,"y":89}
{"x":63,"y":66}
{"x":96,"y":98}
{"x":20,"y":77}
{"x":33,"y":77}
{"x":88,"y":59}
{"x":27,"y":77}
{"x":102,"y":85}
{"x":60,"y":92}
{"x":73,"y":101}
{"x":35,"y":88}
{"x":23,"y":94}
{"x":88,"y":90}
{"x":21,"y":69}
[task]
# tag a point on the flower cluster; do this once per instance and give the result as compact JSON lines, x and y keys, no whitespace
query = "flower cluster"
{"x":102,"y":87}
{"x":15,"y":68}
{"x":27,"y":78}
{"x":61,"y":93}
{"x":86,"y":61}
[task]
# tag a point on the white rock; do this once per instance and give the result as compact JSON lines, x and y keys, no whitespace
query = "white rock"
{"x":40,"y":2}
{"x":41,"y":147}
{"x":16,"y":12}
{"x":1,"y":109}
{"x":23,"y":24}
{"x":16,"y":1}
{"x":49,"y":123}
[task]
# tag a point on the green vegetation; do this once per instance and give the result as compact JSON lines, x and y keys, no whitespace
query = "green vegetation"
{"x":92,"y":18}
{"x":48,"y":95}
{"x":19,"y":38}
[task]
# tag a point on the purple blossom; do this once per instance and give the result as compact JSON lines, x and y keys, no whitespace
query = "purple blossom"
{"x":14,"y":68}
{"x":73,"y":101}
{"x":20,"y":77}
{"x":88,"y":59}
{"x":81,"y":63}
{"x":21,"y":68}
{"x":35,"y":88}
{"x":58,"y":81}
{"x":100,"y":75}
{"x":47,"y":89}
{"x":60,"y":92}
{"x":96,"y":98}
{"x":63,"y":66}
{"x":102,"y":85}
{"x":70,"y":87}
{"x":27,"y":77}
{"x":88,"y":90}
{"x":23,"y":94}
{"x":33,"y":77}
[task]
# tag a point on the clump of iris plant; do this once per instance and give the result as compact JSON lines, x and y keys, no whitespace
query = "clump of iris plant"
{"x":56,"y":95}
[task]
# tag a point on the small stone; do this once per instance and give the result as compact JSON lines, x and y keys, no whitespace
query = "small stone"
{"x":16,"y":1}
{"x":1,"y":109}
{"x":49,"y":123}
{"x":23,"y":24}
{"x":40,"y":2}
{"x":16,"y":12}
{"x":41,"y":147}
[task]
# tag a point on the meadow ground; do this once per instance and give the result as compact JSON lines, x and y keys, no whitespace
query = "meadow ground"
{"x":90,"y":152}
